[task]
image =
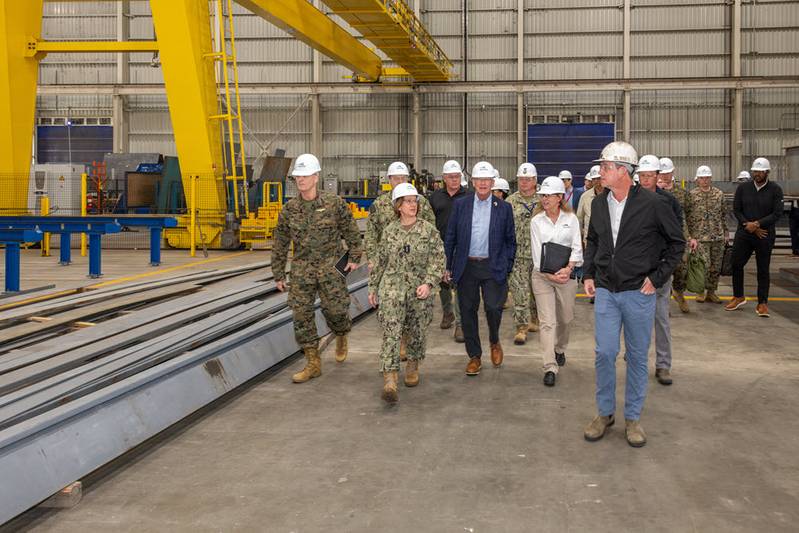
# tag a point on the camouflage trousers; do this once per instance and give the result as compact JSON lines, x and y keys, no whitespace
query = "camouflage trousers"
{"x":680,"y":273}
{"x":712,"y":252}
{"x":335,"y":302}
{"x":400,"y":315}
{"x":449,"y":301}
{"x":521,"y":288}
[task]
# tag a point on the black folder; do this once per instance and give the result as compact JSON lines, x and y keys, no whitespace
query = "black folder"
{"x":554,"y":257}
{"x":341,"y":264}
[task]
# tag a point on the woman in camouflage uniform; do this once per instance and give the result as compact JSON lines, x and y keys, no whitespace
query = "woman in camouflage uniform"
{"x":408,"y":267}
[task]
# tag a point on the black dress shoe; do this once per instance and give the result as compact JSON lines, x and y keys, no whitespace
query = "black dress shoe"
{"x":560,"y":358}
{"x":549,"y":379}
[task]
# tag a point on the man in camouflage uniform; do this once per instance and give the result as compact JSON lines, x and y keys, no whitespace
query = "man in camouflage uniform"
{"x":707,"y":224}
{"x":667,"y":183}
{"x":406,"y":269}
{"x":381,"y":214}
{"x":316,"y":222}
{"x":525,"y":314}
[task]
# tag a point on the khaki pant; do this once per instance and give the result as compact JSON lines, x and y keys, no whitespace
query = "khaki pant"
{"x":555,"y":304}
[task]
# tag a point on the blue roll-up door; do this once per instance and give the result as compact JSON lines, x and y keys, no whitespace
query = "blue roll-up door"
{"x":555,"y":147}
{"x":73,"y":144}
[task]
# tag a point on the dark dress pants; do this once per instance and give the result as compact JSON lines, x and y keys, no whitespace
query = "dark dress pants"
{"x":477,"y":279}
{"x":742,"y":248}
{"x":793,"y":225}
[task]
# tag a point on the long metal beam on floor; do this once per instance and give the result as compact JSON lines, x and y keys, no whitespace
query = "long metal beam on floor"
{"x":511,"y":86}
{"x":42,"y":454}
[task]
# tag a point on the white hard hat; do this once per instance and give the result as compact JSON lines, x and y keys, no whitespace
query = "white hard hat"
{"x":588,"y":177}
{"x":666,"y":165}
{"x":306,"y":165}
{"x":649,"y":163}
{"x":760,"y":164}
{"x":594,"y":172}
{"x":527,"y":170}
{"x":452,"y":167}
{"x":703,"y":172}
{"x":743,"y":176}
{"x":500,"y":184}
{"x":565,"y":175}
{"x":403,"y":189}
{"x":398,"y":168}
{"x":552,"y":185}
{"x":619,"y":152}
{"x":483,"y":170}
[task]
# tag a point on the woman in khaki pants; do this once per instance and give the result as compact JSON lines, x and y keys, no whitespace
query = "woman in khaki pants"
{"x":554,"y":293}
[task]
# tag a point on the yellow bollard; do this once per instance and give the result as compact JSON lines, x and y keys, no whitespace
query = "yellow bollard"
{"x":45,"y":210}
{"x":193,"y":216}
{"x":83,"y":194}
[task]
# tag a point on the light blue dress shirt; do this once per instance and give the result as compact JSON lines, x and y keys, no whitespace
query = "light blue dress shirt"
{"x":481,"y":220}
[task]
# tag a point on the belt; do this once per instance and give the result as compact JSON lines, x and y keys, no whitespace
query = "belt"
{"x":471,"y":258}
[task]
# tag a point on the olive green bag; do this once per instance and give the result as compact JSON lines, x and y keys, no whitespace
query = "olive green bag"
{"x":697,"y":270}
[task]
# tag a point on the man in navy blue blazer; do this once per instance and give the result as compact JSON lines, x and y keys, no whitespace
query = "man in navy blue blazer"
{"x":480,"y":244}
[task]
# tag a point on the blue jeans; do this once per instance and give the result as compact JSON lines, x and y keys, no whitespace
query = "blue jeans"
{"x":636,"y":312}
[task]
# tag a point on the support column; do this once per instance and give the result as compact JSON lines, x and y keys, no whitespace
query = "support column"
{"x":316,"y":109}
{"x":19,"y":21}
{"x":521,"y":122}
{"x":120,"y":119}
{"x":736,"y":113}
{"x":417,"y":132}
{"x":626,"y":69}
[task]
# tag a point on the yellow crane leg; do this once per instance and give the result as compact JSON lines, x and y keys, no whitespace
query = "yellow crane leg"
{"x":187,"y":60}
{"x":19,"y":20}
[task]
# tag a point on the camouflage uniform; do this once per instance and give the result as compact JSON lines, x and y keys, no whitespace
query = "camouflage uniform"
{"x":316,"y":228}
{"x":381,"y":214}
{"x":707,"y":223}
{"x":682,"y":196}
{"x":520,"y":280}
{"x":405,"y":259}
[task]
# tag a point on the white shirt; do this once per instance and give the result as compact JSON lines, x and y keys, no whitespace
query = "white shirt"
{"x":616,"y":209}
{"x":566,"y":231}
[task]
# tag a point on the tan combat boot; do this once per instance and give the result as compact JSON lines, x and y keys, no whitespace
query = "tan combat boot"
{"x":403,"y":348}
{"x":412,"y":373}
{"x":597,"y":428}
{"x":533,"y":326}
{"x":680,"y":298}
{"x":447,"y":320}
{"x":313,"y":366}
{"x":700,"y":298}
{"x":521,"y":335}
{"x":341,"y":348}
{"x":712,"y":297}
{"x":459,"y":334}
{"x":390,"y":387}
{"x":634,"y":433}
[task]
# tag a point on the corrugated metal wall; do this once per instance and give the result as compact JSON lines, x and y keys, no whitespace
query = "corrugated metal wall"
{"x":564,"y":39}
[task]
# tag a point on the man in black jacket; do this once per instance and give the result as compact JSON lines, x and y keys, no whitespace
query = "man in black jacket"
{"x":441,"y":201}
{"x":634,"y":243}
{"x":757,"y":206}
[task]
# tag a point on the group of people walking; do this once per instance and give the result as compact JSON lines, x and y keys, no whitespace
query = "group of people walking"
{"x":627,"y":240}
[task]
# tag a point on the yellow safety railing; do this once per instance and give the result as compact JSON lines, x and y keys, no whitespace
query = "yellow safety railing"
{"x":45,"y":210}
{"x":83,"y":199}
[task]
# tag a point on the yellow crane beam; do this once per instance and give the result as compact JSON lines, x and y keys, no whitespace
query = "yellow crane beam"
{"x":35,"y":46}
{"x":394,"y":28}
{"x":303,"y":21}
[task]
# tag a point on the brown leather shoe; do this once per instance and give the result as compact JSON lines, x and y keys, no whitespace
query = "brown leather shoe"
{"x":473,"y":368}
{"x":735,"y":303}
{"x":761,"y":310}
{"x":496,"y":354}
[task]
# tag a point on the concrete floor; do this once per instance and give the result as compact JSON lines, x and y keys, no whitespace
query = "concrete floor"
{"x":499,"y":452}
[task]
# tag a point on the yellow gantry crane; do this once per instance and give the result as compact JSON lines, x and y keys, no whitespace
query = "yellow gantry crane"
{"x":188,"y":60}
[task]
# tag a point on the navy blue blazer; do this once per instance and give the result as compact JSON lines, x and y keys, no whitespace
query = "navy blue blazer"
{"x":501,"y":237}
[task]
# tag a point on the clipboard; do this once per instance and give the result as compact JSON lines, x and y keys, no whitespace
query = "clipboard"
{"x":341,"y":264}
